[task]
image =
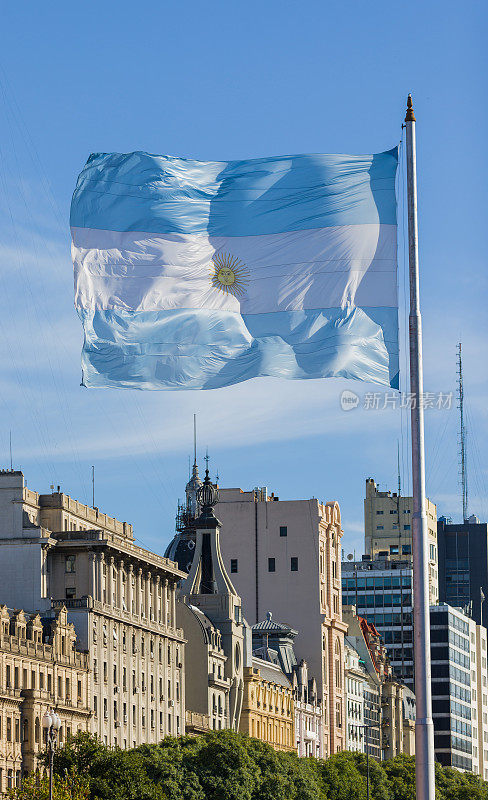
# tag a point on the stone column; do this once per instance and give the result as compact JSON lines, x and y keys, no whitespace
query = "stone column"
{"x":165,"y":602}
{"x":110,"y":588}
{"x":100,"y":563}
{"x":156,"y":600}
{"x":130,"y":596}
{"x":138,"y":591}
{"x":147,"y":594}
{"x":120,"y":583}
{"x":172,"y":589}
{"x":92,"y":585}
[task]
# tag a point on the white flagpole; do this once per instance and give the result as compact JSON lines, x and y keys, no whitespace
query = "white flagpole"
{"x":424,"y":728}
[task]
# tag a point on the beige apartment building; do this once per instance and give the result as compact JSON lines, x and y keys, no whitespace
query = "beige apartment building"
{"x":39,"y":669}
{"x":285,"y":557}
{"x":55,"y":552}
{"x":207,"y":687}
{"x":268,"y":710}
{"x":388,"y":530}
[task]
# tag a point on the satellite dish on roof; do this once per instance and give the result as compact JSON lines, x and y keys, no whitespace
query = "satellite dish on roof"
{"x":350,"y":556}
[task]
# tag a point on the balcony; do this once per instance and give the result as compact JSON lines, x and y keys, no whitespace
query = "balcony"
{"x":73,"y":602}
{"x":221,"y":683}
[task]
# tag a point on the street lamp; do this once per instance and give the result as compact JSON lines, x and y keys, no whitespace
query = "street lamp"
{"x":366,"y":746}
{"x":51,"y":724}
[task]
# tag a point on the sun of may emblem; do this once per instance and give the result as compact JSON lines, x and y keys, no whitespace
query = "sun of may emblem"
{"x":229,"y":274}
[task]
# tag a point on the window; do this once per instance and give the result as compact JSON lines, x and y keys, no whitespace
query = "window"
{"x":283,"y":530}
{"x":271,"y":565}
{"x":407,"y":549}
{"x":70,"y":592}
{"x":294,"y":564}
{"x":380,"y":527}
{"x":406,"y":527}
{"x":233,"y":565}
{"x":70,"y":564}
{"x":379,"y":512}
{"x":338,"y":672}
{"x":394,"y":549}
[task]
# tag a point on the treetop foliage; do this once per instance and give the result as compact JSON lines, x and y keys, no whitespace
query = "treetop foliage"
{"x":223,"y":765}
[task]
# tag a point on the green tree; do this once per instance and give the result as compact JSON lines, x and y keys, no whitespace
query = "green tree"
{"x":70,"y":787}
{"x":341,"y":779}
{"x":400,"y":774}
{"x":223,"y":765}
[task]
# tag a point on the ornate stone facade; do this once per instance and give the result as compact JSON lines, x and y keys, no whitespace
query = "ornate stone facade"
{"x":55,"y":551}
{"x":39,"y":669}
{"x":267,"y":709}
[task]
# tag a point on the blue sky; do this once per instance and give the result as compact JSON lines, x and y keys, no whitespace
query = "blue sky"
{"x":221,"y":81}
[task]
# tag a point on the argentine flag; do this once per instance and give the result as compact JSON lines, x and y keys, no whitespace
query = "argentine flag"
{"x":202,"y":274}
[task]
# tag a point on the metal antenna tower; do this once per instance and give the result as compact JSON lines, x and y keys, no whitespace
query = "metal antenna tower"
{"x":462,"y":434}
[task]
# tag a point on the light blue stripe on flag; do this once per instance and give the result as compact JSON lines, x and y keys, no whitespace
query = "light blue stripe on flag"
{"x":309,"y":243}
{"x":141,"y":192}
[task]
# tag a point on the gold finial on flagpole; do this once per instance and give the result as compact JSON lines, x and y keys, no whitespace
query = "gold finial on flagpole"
{"x":409,"y":116}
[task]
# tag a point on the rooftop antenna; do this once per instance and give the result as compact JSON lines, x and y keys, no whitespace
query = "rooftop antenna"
{"x":10,"y":442}
{"x":93,"y":487}
{"x":194,"y":438}
{"x":207,"y":458}
{"x":462,"y":434}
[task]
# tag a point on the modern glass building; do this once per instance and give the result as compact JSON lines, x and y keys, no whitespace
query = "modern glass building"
{"x":381,"y":590}
{"x":463,"y":565}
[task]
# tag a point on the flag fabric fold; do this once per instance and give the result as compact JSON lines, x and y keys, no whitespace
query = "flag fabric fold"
{"x":198,"y":275}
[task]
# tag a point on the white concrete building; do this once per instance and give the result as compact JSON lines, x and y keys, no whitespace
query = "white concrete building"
{"x":459,"y":689}
{"x":480,"y":697}
{"x":55,"y":551}
{"x":355,"y":677}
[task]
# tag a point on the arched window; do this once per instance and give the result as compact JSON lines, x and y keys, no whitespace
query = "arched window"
{"x":37,"y":730}
{"x":338,"y":666}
